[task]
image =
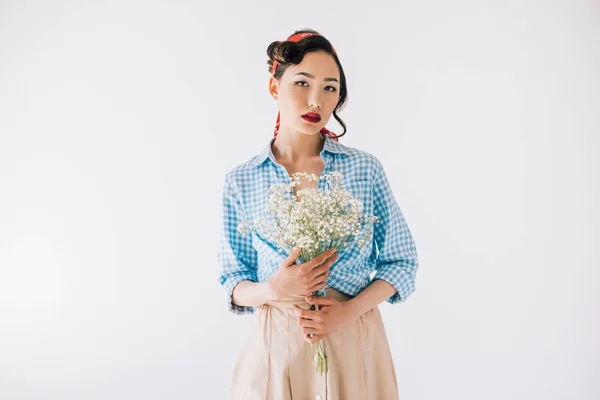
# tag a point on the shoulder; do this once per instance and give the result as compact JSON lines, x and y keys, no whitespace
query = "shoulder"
{"x":362,"y":159}
{"x":241,"y":175}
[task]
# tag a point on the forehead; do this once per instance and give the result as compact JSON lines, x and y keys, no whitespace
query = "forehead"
{"x":318,"y":63}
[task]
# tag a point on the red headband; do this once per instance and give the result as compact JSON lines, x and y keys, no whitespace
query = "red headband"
{"x":295,"y":38}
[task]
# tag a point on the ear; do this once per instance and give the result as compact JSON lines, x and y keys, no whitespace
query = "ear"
{"x":274,"y":87}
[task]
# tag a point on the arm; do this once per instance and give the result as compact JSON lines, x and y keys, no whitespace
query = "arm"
{"x":237,"y":258}
{"x":252,"y":294}
{"x":396,"y":263}
{"x":374,"y":294}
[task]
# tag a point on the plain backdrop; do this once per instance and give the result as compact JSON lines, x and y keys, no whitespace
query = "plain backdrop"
{"x":119,"y":119}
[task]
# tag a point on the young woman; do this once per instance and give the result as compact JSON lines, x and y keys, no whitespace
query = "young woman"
{"x":274,"y":363}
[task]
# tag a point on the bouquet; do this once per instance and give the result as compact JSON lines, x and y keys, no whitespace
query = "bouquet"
{"x":314,"y":220}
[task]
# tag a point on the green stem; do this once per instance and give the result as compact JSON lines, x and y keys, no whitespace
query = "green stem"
{"x":321,"y":359}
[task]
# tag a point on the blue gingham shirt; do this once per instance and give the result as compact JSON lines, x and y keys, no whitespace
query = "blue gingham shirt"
{"x":391,"y":253}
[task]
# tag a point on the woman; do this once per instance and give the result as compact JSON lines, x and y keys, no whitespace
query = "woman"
{"x":274,"y":363}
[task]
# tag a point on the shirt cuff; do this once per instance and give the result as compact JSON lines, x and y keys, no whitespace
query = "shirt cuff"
{"x":400,"y":280}
{"x":229,"y":284}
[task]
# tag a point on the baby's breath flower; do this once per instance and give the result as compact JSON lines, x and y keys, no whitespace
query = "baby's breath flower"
{"x":313,"y":219}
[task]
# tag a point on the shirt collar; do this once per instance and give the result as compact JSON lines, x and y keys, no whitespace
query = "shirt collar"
{"x":330,"y":146}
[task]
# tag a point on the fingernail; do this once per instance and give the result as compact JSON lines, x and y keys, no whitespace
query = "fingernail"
{"x":309,"y":297}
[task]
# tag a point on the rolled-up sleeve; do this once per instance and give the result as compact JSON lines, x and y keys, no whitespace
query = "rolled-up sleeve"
{"x":237,"y":258}
{"x":397,"y":260}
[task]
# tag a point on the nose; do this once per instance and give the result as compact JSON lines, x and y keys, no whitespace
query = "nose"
{"x":314,"y":100}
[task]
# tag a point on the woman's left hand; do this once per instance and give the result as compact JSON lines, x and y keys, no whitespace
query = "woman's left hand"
{"x":332,"y":316}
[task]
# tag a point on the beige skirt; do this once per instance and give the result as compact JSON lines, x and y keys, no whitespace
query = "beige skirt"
{"x":275,"y":364}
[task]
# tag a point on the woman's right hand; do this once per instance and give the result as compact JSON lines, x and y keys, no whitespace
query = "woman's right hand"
{"x":300,"y":279}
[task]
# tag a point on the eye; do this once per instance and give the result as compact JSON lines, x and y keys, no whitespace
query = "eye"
{"x":333,"y":88}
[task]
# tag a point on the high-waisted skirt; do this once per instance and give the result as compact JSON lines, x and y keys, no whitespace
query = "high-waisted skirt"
{"x":274,"y":362}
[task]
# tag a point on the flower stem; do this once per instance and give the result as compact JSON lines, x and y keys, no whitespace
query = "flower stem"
{"x":321,"y":357}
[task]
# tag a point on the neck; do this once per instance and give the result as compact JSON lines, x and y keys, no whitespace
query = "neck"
{"x":297,"y":147}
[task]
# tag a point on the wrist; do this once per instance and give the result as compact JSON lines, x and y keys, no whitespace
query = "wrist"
{"x":271,"y":289}
{"x":353,"y":310}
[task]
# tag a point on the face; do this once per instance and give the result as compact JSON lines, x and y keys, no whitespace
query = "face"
{"x":311,"y":86}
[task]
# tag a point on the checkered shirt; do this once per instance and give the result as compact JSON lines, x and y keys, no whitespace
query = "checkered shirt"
{"x":391,"y":254}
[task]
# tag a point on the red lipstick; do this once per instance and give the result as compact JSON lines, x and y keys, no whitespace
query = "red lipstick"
{"x":312,"y":117}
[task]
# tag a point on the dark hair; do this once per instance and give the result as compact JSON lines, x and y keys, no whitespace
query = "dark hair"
{"x":286,"y":53}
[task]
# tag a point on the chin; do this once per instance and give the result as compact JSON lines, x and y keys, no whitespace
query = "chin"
{"x":311,"y":132}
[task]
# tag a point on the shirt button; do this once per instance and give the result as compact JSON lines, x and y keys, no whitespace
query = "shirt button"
{"x":318,"y":397}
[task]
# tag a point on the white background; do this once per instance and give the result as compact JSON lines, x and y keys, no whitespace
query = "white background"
{"x":119,"y":119}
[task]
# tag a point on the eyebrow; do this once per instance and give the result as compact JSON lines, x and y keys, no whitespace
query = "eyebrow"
{"x":313,"y":77}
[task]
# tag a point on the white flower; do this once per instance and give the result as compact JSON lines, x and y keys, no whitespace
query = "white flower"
{"x":314,"y":219}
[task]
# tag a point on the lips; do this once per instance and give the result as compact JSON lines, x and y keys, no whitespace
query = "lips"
{"x":312,"y":117}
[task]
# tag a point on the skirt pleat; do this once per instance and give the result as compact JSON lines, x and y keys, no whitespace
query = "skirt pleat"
{"x":274,"y":362}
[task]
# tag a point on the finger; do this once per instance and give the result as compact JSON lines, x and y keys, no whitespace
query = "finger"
{"x":326,"y":265}
{"x":291,"y":259}
{"x":319,"y":278}
{"x":307,"y":314}
{"x":323,"y":269}
{"x":307,"y":330}
{"x":309,"y":339}
{"x":322,"y":277}
{"x":320,"y":259}
{"x":313,"y":339}
{"x":326,"y":301}
{"x":307,"y":323}
{"x":318,"y":286}
{"x":315,"y":275}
